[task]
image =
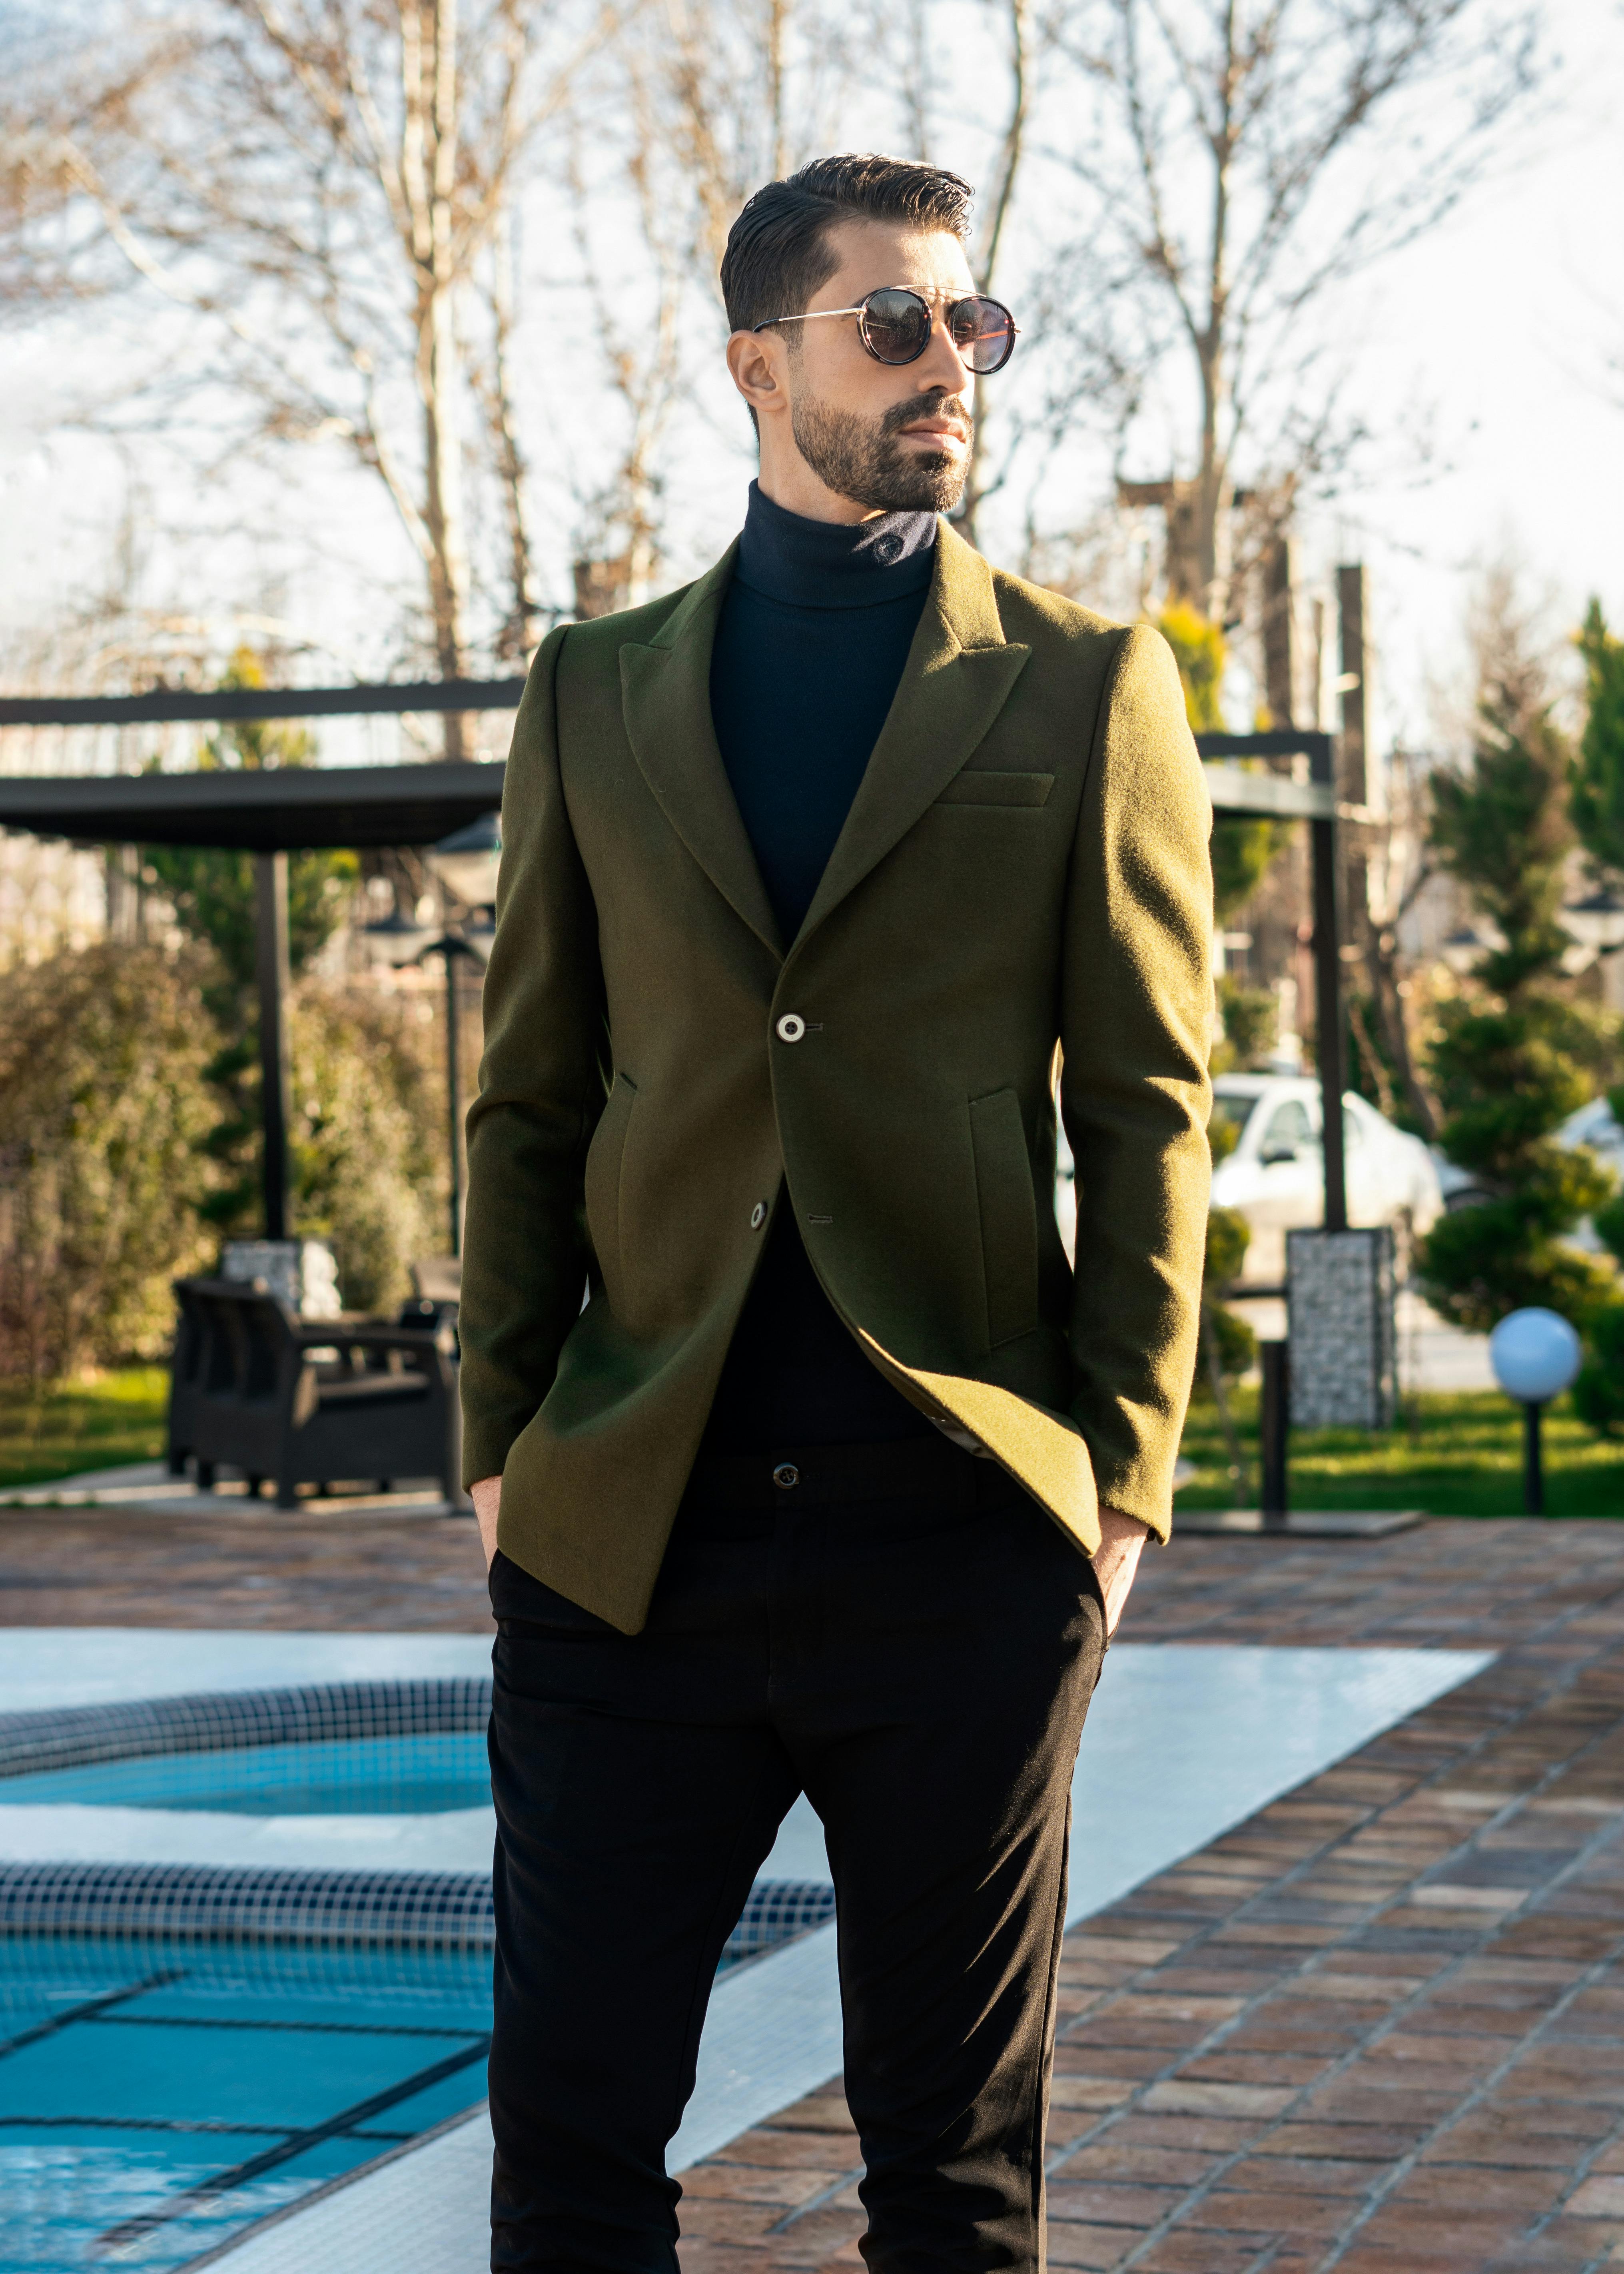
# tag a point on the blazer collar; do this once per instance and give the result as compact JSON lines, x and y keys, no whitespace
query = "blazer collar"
{"x":956,"y":679}
{"x":959,"y":675}
{"x":665,"y":701}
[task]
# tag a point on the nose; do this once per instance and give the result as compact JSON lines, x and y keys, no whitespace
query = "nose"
{"x":942,"y":365}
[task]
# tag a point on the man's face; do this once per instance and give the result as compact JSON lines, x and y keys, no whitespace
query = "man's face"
{"x":892,"y":438}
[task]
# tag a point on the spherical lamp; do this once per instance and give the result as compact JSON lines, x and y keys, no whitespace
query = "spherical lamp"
{"x":1535,"y":1354}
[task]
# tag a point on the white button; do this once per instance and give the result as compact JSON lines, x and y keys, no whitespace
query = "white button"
{"x":791,"y":1027}
{"x":758,"y":1215}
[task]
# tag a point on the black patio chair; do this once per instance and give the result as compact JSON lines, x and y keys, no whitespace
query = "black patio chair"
{"x":308,"y":1400}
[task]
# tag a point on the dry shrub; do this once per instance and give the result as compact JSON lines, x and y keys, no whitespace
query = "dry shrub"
{"x":103,"y":1107}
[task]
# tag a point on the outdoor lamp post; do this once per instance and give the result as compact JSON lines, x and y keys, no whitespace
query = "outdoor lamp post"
{"x":467,"y":861}
{"x":1535,"y":1354}
{"x":475,"y":942}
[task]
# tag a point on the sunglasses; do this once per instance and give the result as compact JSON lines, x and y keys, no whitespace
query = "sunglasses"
{"x":895,"y":326}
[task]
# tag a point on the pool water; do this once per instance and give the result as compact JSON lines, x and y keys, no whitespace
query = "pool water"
{"x":155,"y":2097}
{"x":350,"y":1776}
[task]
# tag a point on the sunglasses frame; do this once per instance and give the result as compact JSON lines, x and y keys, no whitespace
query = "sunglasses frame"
{"x":901,"y":363}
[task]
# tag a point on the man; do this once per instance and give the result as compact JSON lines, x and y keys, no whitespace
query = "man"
{"x":837,"y":1480}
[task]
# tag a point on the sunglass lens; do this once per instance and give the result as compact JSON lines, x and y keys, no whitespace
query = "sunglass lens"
{"x":983,"y":332}
{"x":896,"y":326}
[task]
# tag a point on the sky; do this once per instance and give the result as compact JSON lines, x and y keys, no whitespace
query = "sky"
{"x":1492,"y":336}
{"x":1502,"y":325}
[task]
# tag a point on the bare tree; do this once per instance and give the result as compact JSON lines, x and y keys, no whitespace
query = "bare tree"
{"x":1246,"y":160}
{"x":710,"y":98}
{"x":325,"y":184}
{"x":1022,"y":49}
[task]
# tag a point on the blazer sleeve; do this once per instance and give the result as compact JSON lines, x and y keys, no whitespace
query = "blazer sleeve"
{"x":1136,"y":1022}
{"x":541,"y":1091}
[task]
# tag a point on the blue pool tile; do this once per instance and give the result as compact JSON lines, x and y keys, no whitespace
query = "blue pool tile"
{"x":284,"y":2079}
{"x":453,"y":2096}
{"x":60,"y":2195}
{"x":341,"y":2011}
{"x":415,"y":1776}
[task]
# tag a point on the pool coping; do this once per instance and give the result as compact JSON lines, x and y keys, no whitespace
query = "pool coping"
{"x":773,"y":2032}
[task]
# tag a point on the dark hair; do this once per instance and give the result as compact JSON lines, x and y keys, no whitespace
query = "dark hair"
{"x":777,"y":251}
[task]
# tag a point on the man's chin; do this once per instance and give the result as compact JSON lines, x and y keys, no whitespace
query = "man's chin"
{"x":927,"y":481}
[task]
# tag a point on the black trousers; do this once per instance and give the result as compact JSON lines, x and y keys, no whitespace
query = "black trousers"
{"x":921,"y":1672}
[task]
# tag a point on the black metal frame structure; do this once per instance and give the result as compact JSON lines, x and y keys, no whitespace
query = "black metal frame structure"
{"x":271,"y":814}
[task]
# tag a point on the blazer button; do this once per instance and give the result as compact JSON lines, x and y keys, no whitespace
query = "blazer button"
{"x":758,"y":1215}
{"x":787,"y":1476}
{"x":791,"y":1027}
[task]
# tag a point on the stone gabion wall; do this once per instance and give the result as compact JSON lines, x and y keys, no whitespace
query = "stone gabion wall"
{"x":1343,"y":1345}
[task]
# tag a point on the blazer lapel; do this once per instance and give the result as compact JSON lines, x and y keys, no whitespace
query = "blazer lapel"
{"x":959,"y":675}
{"x":665,"y":701}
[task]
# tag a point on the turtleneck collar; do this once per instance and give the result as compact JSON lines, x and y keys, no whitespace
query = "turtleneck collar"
{"x":834,"y":564}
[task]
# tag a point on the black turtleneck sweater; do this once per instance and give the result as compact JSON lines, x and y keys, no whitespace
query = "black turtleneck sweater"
{"x":814,"y":633}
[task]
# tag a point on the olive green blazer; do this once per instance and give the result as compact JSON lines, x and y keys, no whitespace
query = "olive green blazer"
{"x":1024,"y":866}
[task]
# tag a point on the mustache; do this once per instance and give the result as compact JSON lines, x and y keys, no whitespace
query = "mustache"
{"x":924,"y":406}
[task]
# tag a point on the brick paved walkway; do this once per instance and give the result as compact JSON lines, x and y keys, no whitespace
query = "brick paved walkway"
{"x":1379,"y":2028}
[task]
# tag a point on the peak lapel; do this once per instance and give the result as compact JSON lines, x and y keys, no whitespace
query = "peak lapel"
{"x":959,"y":675}
{"x":665,"y":702}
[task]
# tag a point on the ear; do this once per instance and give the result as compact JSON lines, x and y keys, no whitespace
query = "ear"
{"x":758,"y":363}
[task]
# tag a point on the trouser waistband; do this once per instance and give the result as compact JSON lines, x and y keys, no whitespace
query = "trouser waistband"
{"x":845,"y":1476}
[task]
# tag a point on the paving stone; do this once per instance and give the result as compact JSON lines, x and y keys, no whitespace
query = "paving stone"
{"x":1279,"y":2213}
{"x":1117,"y":2158}
{"x":1180,"y":2096}
{"x":1298,"y":2173}
{"x":1598,"y":2197}
{"x":1112,"y":2203}
{"x":1376,"y":2144}
{"x":1472,"y":2188}
{"x":1074,"y":2244}
{"x":1211,"y":2014}
{"x":732,"y":2181}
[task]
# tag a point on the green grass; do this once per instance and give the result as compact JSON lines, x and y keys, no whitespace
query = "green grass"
{"x":1453,"y":1454}
{"x":99,"y":1422}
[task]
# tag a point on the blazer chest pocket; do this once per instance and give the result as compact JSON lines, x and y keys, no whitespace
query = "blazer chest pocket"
{"x":604,"y":1158}
{"x":980,"y":786}
{"x":1009,"y":1219}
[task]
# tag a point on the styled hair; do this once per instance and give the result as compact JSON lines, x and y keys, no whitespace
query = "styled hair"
{"x":779,"y":251}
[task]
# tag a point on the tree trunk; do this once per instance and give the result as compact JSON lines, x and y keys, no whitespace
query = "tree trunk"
{"x":517,"y":635}
{"x":1009,"y":166}
{"x":428,"y":48}
{"x":1214,"y":489}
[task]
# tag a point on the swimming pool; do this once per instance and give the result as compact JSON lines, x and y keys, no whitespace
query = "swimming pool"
{"x":428,"y":1773}
{"x":157,"y":2096}
{"x":188,"y":2046}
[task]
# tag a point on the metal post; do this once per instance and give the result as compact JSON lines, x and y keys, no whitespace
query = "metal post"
{"x":454,"y":1095}
{"x":1533,"y":1469}
{"x":1274,"y":1421}
{"x":1329,"y":1046}
{"x":276,"y":1066}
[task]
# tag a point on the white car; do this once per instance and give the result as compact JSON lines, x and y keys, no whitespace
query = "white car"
{"x":1593,"y":1125}
{"x":1276,"y":1177}
{"x":1275,"y":1173}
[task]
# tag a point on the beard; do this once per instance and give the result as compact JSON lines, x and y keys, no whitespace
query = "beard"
{"x":864,"y":460}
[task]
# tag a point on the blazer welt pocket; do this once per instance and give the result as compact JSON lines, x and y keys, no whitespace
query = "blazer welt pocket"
{"x":1009,"y":1220}
{"x":604,"y":1158}
{"x":980,"y":786}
